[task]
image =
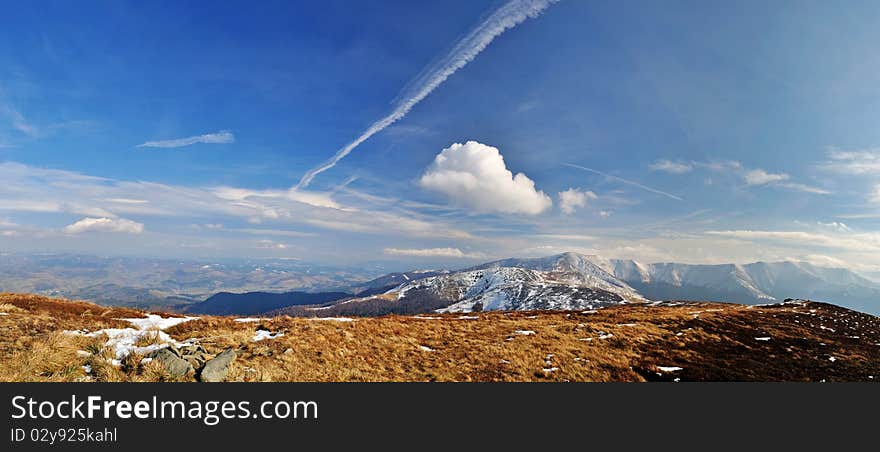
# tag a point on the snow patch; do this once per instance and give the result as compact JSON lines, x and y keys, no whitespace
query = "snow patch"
{"x":669,"y":368}
{"x":524,"y":332}
{"x":123,"y":340}
{"x":765,"y":339}
{"x":266,"y":334}
{"x":155,"y":322}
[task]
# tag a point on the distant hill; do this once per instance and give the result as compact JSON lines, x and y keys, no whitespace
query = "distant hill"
{"x":250,"y":303}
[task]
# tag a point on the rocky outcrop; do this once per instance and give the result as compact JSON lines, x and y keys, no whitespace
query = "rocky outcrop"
{"x":179,"y":362}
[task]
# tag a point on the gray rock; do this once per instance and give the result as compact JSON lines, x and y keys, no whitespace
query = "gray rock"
{"x":172,"y":363}
{"x":217,"y":368}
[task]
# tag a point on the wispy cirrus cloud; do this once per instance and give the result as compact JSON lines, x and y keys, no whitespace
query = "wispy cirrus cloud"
{"x":668,"y":166}
{"x":751,"y":177}
{"x":807,"y":239}
{"x":504,"y":18}
{"x":858,"y":162}
{"x":47,"y":191}
{"x":626,"y":181}
{"x":17,"y":120}
{"x":221,"y":137}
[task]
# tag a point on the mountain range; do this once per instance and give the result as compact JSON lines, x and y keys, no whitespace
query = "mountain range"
{"x":563,"y":281}
{"x":575,"y":281}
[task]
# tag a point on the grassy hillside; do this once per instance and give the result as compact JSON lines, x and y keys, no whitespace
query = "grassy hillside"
{"x":800,"y":341}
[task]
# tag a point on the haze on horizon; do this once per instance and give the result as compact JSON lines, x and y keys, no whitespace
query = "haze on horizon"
{"x":443,"y":134}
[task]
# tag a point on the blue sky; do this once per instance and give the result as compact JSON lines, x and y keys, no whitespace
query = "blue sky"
{"x":710,"y":131}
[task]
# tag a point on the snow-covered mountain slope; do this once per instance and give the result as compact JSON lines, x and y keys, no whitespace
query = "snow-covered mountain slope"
{"x":573,"y":268}
{"x":567,"y":281}
{"x":759,"y":282}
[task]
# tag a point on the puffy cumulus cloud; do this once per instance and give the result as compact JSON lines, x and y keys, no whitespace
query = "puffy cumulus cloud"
{"x":761,"y":177}
{"x":669,"y":166}
{"x":427,"y":252}
{"x":104,"y":225}
{"x":474,"y":175}
{"x":574,"y":198}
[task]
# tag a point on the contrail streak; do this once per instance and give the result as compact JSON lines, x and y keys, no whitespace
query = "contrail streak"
{"x":626,"y":181}
{"x":506,"y":17}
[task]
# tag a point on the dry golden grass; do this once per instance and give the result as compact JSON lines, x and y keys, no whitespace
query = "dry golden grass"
{"x":710,"y":341}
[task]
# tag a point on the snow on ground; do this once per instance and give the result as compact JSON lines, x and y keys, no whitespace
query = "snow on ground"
{"x":123,"y":340}
{"x":627,"y":324}
{"x":468,"y":317}
{"x":266,"y":334}
{"x":155,"y":322}
{"x":425,"y":348}
{"x":767,"y":338}
{"x":605,"y":336}
{"x":4,"y":313}
{"x":669,"y":368}
{"x":524,"y":332}
{"x":250,"y":319}
{"x":422,"y":317}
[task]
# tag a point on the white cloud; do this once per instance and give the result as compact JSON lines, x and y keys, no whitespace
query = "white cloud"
{"x":222,"y":137}
{"x":474,"y":175}
{"x":669,"y":166}
{"x":428,"y":252}
{"x":104,"y":225}
{"x":18,"y":120}
{"x":805,"y":188}
{"x":573,"y":198}
{"x":835,"y":226}
{"x":853,"y":162}
{"x":875,"y":197}
{"x":761,"y":177}
{"x":802,"y":239}
{"x":625,"y":181}
{"x":721,"y":166}
{"x":465,"y":50}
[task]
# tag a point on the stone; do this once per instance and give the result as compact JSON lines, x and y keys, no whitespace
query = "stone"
{"x":172,"y":363}
{"x":218,"y":368}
